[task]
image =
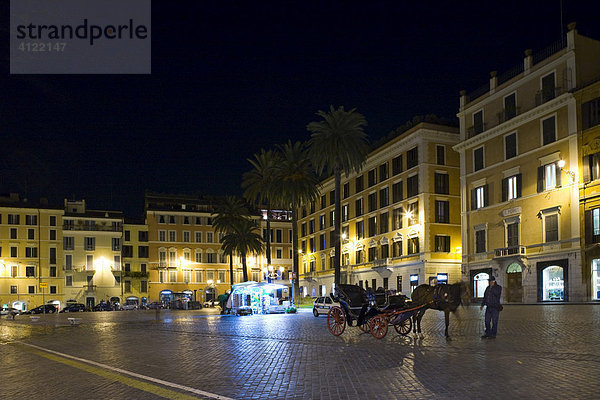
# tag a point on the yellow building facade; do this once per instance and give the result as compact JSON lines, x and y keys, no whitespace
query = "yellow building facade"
{"x":519,"y":155}
{"x":136,"y":253}
{"x":30,"y":254}
{"x":400,"y":218}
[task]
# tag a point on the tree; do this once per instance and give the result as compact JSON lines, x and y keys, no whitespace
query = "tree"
{"x":229,"y":211}
{"x":243,"y":238}
{"x":295,"y":184}
{"x":338,"y":143}
{"x":259,"y":187}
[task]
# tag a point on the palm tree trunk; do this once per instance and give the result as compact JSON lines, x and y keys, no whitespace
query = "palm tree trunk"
{"x":295,"y":282}
{"x":231,"y":270}
{"x":337,"y":227}
{"x":268,"y":234}
{"x":245,"y":270}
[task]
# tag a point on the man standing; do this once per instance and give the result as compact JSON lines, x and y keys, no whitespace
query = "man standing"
{"x":491,"y":299}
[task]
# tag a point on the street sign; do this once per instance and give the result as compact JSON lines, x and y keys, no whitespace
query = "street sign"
{"x":43,"y":285}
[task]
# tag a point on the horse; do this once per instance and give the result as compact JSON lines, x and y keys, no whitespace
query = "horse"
{"x":440,"y":297}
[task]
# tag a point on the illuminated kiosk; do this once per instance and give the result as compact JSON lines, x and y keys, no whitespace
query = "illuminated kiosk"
{"x":260,"y":297}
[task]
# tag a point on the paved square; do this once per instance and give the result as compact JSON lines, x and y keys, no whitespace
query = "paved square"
{"x":542,"y":351}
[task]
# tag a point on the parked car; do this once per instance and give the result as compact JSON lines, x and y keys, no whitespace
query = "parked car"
{"x":156,"y":305}
{"x":129,"y":306}
{"x":50,"y":309}
{"x":103,"y":306}
{"x":323,"y":304}
{"x":210,"y":303}
{"x":73,"y":307}
{"x":9,"y":310}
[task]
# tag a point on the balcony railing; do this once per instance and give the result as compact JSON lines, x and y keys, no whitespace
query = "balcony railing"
{"x":476,"y":129}
{"x":508,"y":114}
{"x":544,"y":96}
{"x":382,"y":262}
{"x":510,"y":251}
{"x":89,"y":288}
{"x":84,"y":227}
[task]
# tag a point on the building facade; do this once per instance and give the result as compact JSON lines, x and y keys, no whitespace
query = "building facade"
{"x":135,"y":256}
{"x":400,"y":219}
{"x":519,"y":155}
{"x":30,"y":253}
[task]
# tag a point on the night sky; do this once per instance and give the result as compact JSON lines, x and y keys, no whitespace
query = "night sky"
{"x":232,"y":77}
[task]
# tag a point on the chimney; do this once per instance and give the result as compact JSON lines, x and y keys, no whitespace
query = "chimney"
{"x":463,"y":99}
{"x":493,"y":81}
{"x":527,"y":61}
{"x":572,"y":27}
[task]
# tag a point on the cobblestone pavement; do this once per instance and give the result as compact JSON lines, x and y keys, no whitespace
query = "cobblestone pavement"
{"x":542,"y":351}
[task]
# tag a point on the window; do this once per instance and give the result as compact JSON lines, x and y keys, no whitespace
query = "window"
{"x":13,"y":233}
{"x":397,"y":218}
{"x":413,"y":245}
{"x":359,"y":184}
{"x":478,"y":125}
{"x":303,"y":229}
{"x":590,"y":113}
{"x":198,"y":276}
{"x":143,"y":252}
{"x":551,"y":227}
{"x":384,"y":223}
{"x":311,"y":226}
{"x":512,"y":234}
{"x":116,"y":244}
{"x":372,"y":201}
{"x":442,"y":243}
{"x":358,"y":207}
{"x":68,"y":262}
{"x":510,"y":145}
{"x":127,"y":250}
{"x":548,"y":177}
{"x":209,"y":237}
{"x":127,"y":267}
{"x":13,"y":251}
{"x":346,"y":190}
{"x":143,"y":286}
{"x":186,"y":236}
{"x":172,"y":219}
{"x":478,"y":159}
{"x":52,"y":234}
{"x":127,"y":286}
{"x":172,"y":276}
{"x":31,"y":289}
{"x":321,"y":222}
{"x":13,"y":289}
{"x":479,"y":197}
{"x":323,"y":202}
{"x":441,"y":183}
{"x":360,"y":230}
{"x":89,"y":243}
{"x":14,"y":269}
{"x":412,"y":186}
{"x":397,"y":165}
{"x":510,"y":107}
{"x":397,"y":192}
{"x":331,"y":217}
{"x":372,"y":226}
{"x":312,"y":207}
{"x":13,"y":219}
{"x":222,"y":276}
{"x":311,"y":243}
{"x":30,"y":272}
{"x":397,"y":248}
{"x":345,"y":213}
{"x":372,"y":253}
{"x":89,"y":262}
{"x":384,"y":197}
{"x":413,"y":213}
{"x":372,"y":177}
{"x":143,"y":268}
{"x":187,"y":276}
{"x":52,"y":289}
{"x":442,"y":212}
{"x":162,"y":236}
{"x":412,"y":157}
{"x":383,"y":172}
{"x":549,"y":130}
{"x":332,"y":197}
{"x":440,"y":152}
{"x":548,"y":91}
{"x":172,"y":236}
{"x":31,"y":220}
{"x":211,"y":258}
{"x":278,"y":236}
{"x":198,"y":237}
{"x":52,"y":272}
{"x":31,"y":234}
{"x":592,"y":225}
{"x":279,"y":252}
{"x":143,"y":236}
{"x":31,"y":252}
{"x":127,"y":235}
{"x":511,"y":187}
{"x":161,"y":276}
{"x":52,"y":255}
{"x":53,"y":220}
{"x":198,"y":256}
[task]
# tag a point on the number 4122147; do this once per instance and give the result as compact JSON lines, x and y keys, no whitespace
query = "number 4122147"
{"x":42,"y":46}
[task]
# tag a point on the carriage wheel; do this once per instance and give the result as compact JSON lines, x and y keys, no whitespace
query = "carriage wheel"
{"x":366,"y":326}
{"x":336,"y":321}
{"x":379,"y":326}
{"x":404,"y":327}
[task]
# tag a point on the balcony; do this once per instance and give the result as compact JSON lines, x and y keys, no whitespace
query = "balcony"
{"x":508,"y":114}
{"x":476,"y":129}
{"x":310,"y":276}
{"x":510,"y":251}
{"x":89,"y":288}
{"x":544,"y":96}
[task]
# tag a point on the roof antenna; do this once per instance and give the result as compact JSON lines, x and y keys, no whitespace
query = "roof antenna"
{"x":562,"y":29}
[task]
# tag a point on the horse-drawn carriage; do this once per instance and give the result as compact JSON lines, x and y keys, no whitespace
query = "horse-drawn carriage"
{"x":370,"y":311}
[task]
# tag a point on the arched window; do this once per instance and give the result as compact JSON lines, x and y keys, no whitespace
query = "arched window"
{"x":514,"y":268}
{"x":480,"y":282}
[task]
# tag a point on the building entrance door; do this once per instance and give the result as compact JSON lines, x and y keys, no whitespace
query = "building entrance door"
{"x":514,"y":284}
{"x":90,"y":302}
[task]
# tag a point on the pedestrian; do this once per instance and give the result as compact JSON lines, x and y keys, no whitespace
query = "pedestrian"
{"x":491,"y":299}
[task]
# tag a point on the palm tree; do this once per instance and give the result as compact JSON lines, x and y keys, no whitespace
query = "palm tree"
{"x":259,"y":187}
{"x":229,"y":210}
{"x":338,"y":143}
{"x":244,"y":240}
{"x":296,"y":184}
